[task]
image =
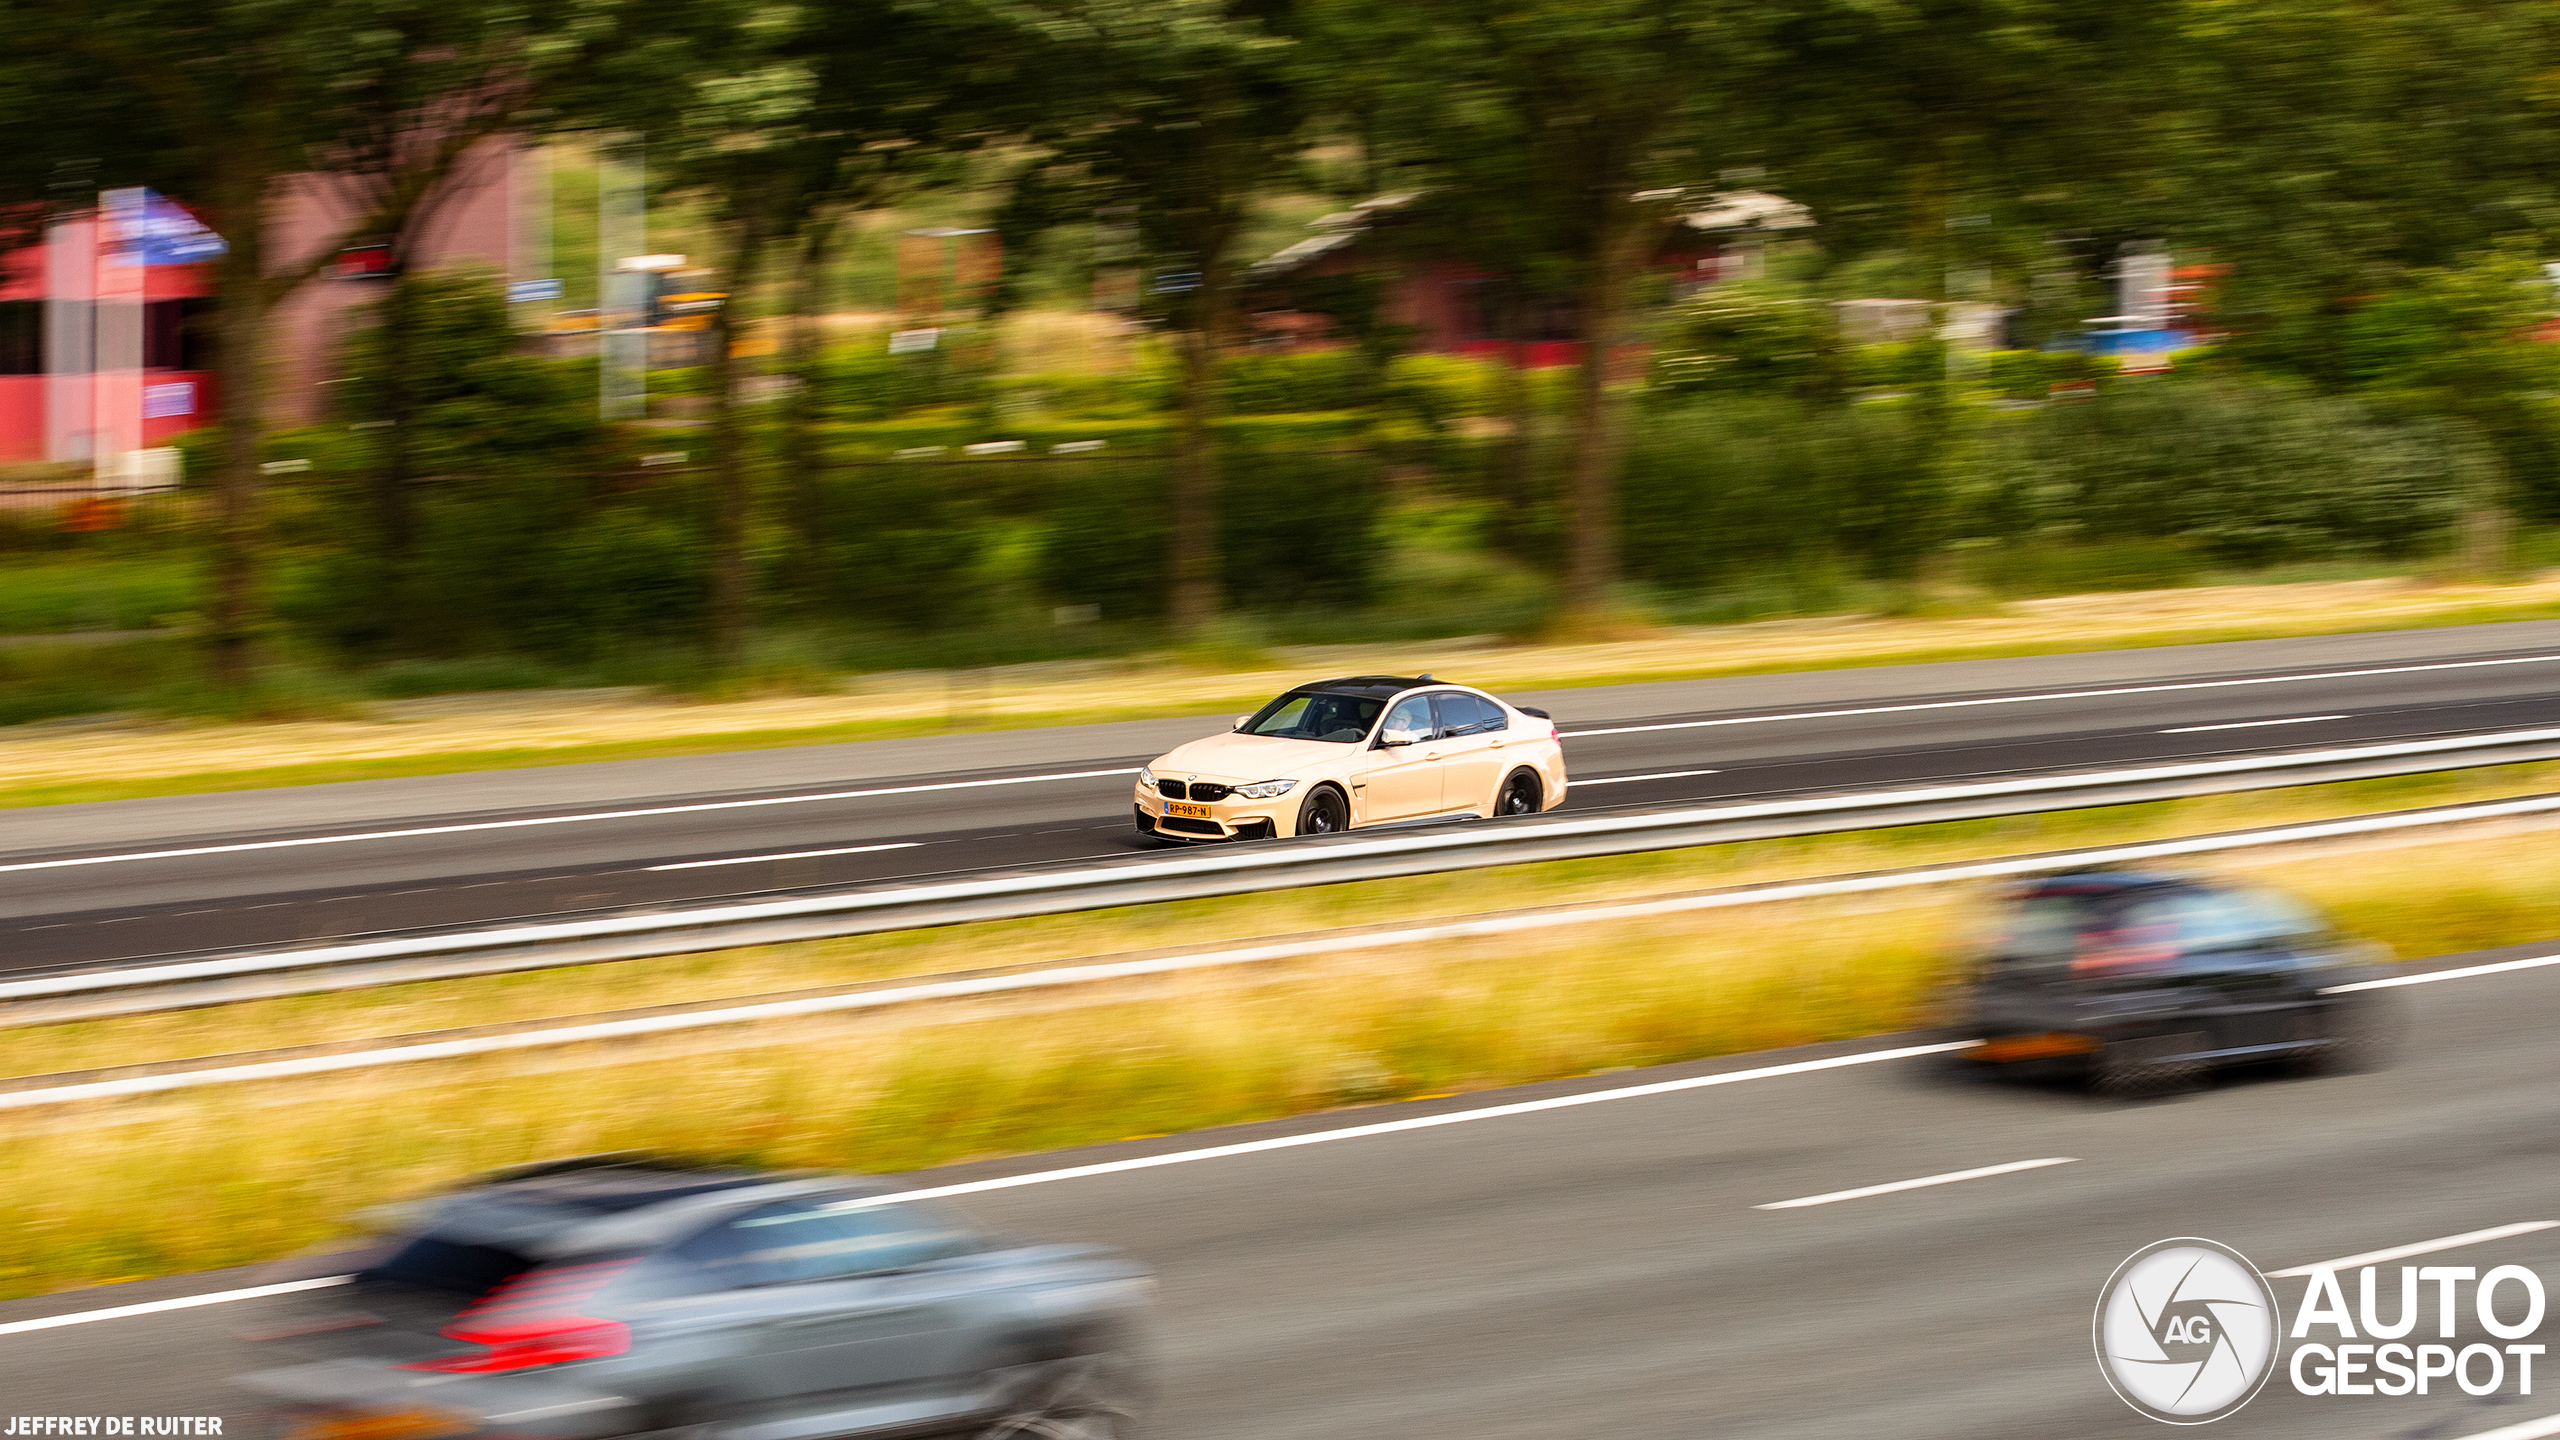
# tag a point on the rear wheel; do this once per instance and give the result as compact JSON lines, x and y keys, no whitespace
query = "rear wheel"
{"x":1324,"y":813}
{"x":1521,"y":794}
{"x":1091,"y":1397}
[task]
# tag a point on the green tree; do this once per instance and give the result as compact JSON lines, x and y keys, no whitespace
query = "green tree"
{"x":2322,"y":149}
{"x":835,"y":108}
{"x":1187,"y":110}
{"x":1586,"y":121}
{"x":224,"y":102}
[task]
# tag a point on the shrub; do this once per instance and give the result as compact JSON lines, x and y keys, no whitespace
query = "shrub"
{"x":1719,"y":489}
{"x":2245,"y":472}
{"x":1267,"y":384}
{"x":1296,"y":532}
{"x":1753,"y":337}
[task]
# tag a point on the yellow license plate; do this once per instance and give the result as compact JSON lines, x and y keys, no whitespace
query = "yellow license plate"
{"x":1194,"y":812}
{"x":420,"y":1424}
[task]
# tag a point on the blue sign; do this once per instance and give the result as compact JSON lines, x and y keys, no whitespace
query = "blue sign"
{"x":524,"y":290}
{"x":148,"y":228}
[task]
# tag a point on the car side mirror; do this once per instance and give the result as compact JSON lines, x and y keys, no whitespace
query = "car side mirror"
{"x":1390,"y":739}
{"x":1242,"y":721}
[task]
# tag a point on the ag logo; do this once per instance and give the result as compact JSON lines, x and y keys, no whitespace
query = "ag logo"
{"x":2186,"y":1331}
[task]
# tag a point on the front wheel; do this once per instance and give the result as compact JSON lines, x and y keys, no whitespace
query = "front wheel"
{"x":1325,"y":813}
{"x":1092,"y":1397}
{"x":1521,"y":794}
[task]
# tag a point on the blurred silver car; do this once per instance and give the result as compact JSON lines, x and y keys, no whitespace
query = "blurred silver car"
{"x":621,"y":1295}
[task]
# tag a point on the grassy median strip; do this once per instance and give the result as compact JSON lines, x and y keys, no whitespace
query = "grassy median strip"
{"x":224,"y":1176}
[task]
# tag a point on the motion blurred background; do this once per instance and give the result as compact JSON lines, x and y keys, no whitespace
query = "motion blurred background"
{"x":386,"y":350}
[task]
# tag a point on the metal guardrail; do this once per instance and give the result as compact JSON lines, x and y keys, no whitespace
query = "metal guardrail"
{"x":1032,"y":980}
{"x":223,"y":979}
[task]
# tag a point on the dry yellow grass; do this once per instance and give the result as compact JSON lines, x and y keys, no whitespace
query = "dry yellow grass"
{"x":268,"y":1169}
{"x":410,"y":736}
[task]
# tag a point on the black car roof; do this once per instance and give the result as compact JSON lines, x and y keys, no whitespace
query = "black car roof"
{"x":1374,"y":685}
{"x":2099,"y":884}
{"x":611,"y":1184}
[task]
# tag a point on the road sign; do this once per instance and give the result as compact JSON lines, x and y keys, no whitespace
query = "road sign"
{"x":523,"y":290}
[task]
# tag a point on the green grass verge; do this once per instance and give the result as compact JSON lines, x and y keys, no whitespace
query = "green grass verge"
{"x":262,"y":1170}
{"x":87,"y":789}
{"x":52,"y":596}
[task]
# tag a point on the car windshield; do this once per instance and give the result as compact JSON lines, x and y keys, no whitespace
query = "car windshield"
{"x":1316,"y":715}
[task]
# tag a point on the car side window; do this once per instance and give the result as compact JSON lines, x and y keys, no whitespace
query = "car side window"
{"x":1457,"y":713}
{"x":815,"y":1239}
{"x":1411,"y":718}
{"x":1490,"y":717}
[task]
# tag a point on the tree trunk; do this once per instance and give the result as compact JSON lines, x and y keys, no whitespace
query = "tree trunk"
{"x":801,"y":457}
{"x":731,"y":497}
{"x":238,"y":608}
{"x":1598,"y":419}
{"x":1195,"y":479}
{"x":1517,"y":475}
{"x":391,"y":475}
{"x":1195,"y":465}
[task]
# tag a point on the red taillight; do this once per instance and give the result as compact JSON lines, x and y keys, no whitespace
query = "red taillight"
{"x":571,"y":1337}
{"x":533,"y":1320}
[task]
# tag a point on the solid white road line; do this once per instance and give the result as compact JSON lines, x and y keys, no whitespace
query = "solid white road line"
{"x":1150,"y":1162}
{"x":183,"y":1302}
{"x":792,"y":855}
{"x":697,"y":809}
{"x":2423,"y":1247}
{"x":1419,"y":1122}
{"x":2541,"y":1429}
{"x":2530,"y":962}
{"x":1951,"y":1177}
{"x":2250,"y":724}
{"x":2064,"y":695}
{"x":1631,"y":779}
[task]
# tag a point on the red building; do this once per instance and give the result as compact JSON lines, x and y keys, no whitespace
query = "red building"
{"x":72,"y":298}
{"x":83,"y":375}
{"x":1455,"y":308}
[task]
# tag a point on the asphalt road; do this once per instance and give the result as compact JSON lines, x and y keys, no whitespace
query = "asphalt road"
{"x":1603,"y":1270}
{"x":637,"y":833}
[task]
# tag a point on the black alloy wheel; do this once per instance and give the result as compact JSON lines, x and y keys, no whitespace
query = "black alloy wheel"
{"x":1324,"y":813}
{"x":1521,"y":795}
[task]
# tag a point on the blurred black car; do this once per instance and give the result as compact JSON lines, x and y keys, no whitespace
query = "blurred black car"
{"x":620,"y":1295}
{"x":2147,"y":982}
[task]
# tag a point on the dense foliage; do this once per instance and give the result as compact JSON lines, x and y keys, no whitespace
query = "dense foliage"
{"x":2358,"y":199}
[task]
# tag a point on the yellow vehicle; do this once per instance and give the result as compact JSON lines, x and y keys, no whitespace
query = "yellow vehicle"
{"x":1360,"y":751}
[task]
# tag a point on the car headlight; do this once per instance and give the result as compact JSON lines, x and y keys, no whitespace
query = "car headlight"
{"x":1265,"y":789}
{"x":1146,"y":777}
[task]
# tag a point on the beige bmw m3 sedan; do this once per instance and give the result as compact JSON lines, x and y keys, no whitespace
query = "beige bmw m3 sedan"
{"x":1355,"y":752}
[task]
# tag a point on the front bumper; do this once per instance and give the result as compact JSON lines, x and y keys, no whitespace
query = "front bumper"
{"x":375,"y":1400}
{"x":1227,"y":819}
